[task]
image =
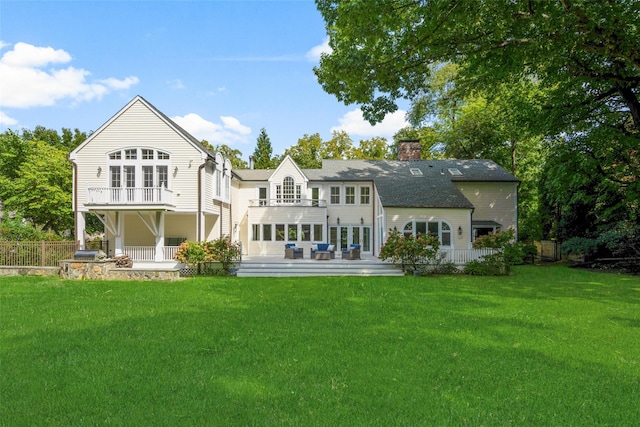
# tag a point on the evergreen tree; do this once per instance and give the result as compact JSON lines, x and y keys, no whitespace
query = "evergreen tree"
{"x":262,"y":155}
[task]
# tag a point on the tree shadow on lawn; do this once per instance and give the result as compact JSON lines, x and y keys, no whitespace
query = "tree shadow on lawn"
{"x":213,"y":365}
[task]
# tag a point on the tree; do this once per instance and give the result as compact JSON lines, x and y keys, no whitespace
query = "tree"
{"x":40,"y":188}
{"x":307,"y":153}
{"x":233,"y":154}
{"x":584,"y":50}
{"x":262,"y":155}
{"x":68,"y":141}
{"x":339,"y":147}
{"x":375,"y":148}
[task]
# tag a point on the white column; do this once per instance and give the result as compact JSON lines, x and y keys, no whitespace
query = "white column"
{"x":81,"y":221}
{"x":159,"y":257}
{"x":119,"y":235}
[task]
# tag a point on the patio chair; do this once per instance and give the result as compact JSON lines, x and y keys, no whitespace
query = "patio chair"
{"x":352,"y":252}
{"x":323,"y":247}
{"x":292,"y":252}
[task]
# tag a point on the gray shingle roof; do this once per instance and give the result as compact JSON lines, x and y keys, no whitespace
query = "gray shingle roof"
{"x":397,"y":186}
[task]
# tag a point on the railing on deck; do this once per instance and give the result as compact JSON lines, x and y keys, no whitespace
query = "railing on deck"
{"x":463,"y":256}
{"x":148,"y":253}
{"x":129,"y":196}
{"x":36,"y":254}
{"x":288,"y":202}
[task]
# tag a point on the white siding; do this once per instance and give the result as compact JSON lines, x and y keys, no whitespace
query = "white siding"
{"x":398,"y":217}
{"x":496,"y":201}
{"x":136,"y":127}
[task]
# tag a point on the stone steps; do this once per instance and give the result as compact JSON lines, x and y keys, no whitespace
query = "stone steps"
{"x":301,"y":268}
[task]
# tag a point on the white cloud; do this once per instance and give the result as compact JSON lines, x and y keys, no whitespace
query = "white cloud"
{"x":175,"y":84}
{"x":6,"y":120}
{"x":354,"y":124}
{"x":234,"y":125}
{"x":314,"y":54}
{"x":26,"y":83}
{"x":231,"y":131}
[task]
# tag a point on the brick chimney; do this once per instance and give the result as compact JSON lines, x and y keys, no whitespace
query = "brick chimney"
{"x":409,"y":150}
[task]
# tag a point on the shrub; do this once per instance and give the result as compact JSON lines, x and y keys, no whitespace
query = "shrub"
{"x":490,"y":265}
{"x":20,"y":229}
{"x":439,"y":266}
{"x":498,"y":264}
{"x":410,"y":251}
{"x":197,"y":253}
{"x":581,"y":246}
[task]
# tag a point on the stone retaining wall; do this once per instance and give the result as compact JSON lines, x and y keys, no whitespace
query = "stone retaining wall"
{"x":29,"y":271}
{"x":106,"y":270}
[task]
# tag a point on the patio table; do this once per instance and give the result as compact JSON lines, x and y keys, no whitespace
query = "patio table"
{"x":323,"y":255}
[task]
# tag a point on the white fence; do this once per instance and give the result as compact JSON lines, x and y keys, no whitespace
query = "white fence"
{"x":463,"y":256}
{"x":148,"y":253}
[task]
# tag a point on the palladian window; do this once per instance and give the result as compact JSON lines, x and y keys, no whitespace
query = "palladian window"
{"x":441,"y":229}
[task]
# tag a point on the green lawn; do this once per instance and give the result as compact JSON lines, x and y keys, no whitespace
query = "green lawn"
{"x":545,"y":346}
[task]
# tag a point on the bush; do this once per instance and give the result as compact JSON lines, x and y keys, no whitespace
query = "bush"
{"x":498,"y":264}
{"x":582,"y":247}
{"x":19,"y":229}
{"x":410,"y":251}
{"x":198,"y":253}
{"x":490,"y":265}
{"x":438,"y":266}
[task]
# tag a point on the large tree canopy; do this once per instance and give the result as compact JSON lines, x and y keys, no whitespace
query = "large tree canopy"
{"x":583,"y":52}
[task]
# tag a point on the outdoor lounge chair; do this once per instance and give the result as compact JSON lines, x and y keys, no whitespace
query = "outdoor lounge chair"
{"x":352,"y":252}
{"x":292,"y":252}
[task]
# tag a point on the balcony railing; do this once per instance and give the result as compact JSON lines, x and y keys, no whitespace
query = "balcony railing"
{"x":288,"y":202}
{"x":129,"y":196}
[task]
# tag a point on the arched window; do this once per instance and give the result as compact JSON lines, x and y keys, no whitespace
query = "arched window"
{"x":289,"y":191}
{"x":441,"y":229}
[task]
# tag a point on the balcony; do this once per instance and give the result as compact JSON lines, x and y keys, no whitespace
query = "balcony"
{"x":306,"y":203}
{"x":130,"y":196}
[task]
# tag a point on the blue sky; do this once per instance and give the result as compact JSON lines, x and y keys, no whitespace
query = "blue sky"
{"x":221,"y":69}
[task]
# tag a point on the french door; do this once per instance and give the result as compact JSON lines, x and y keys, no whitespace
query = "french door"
{"x":345,"y":235}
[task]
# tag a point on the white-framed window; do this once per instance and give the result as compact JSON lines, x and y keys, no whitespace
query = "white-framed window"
{"x":365,"y":195}
{"x":288,"y":192}
{"x":334,"y":195}
{"x":138,"y":167}
{"x":439,"y":228}
{"x":262,"y":196}
{"x":288,"y":189}
{"x":315,"y":196}
{"x":305,"y":232}
{"x":349,"y":195}
{"x":218,"y":186}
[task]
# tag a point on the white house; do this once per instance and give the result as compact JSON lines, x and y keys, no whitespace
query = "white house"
{"x":153,"y":185}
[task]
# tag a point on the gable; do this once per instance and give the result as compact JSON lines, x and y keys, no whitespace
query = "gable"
{"x":140,"y":124}
{"x":288,"y":167}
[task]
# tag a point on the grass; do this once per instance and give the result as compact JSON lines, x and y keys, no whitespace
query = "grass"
{"x":545,"y":346}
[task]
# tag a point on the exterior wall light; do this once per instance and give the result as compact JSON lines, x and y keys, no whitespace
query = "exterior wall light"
{"x":361,"y":220}
{"x":175,"y":171}
{"x":338,"y":220}
{"x":459,"y":230}
{"x":99,"y":170}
